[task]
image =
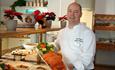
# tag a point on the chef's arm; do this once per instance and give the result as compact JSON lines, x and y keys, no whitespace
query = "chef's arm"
{"x":57,"y":46}
{"x":87,"y":56}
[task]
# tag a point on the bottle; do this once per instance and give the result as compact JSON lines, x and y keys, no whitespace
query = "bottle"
{"x":36,"y":26}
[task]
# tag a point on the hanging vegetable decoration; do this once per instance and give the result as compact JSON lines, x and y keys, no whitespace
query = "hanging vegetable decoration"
{"x":18,"y":3}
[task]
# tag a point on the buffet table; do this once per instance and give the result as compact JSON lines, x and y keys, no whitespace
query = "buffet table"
{"x":23,"y":65}
{"x":23,"y":59}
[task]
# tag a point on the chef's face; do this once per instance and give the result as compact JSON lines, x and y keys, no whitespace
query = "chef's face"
{"x":74,"y":13}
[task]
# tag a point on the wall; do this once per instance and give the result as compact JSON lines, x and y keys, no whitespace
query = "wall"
{"x":87,"y":18}
{"x":89,"y":4}
{"x":105,"y":7}
{"x":59,"y":7}
{"x":87,"y":8}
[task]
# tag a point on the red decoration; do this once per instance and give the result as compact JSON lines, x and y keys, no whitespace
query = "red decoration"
{"x":63,"y":18}
{"x":37,"y":12}
{"x":43,"y":45}
{"x":10,"y":14}
{"x":48,"y":15}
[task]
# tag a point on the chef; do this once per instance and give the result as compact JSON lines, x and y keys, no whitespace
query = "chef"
{"x":76,"y":41}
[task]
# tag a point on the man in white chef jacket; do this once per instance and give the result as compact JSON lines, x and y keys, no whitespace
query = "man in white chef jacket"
{"x":76,"y":41}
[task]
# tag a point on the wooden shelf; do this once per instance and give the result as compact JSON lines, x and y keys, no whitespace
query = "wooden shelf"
{"x":104,"y":18}
{"x":109,"y":28}
{"x":105,"y":46}
{"x":24,"y":31}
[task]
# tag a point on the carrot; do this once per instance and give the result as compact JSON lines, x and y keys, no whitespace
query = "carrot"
{"x":54,"y":60}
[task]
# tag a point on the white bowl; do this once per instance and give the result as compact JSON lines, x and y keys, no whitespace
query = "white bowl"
{"x":30,"y":46}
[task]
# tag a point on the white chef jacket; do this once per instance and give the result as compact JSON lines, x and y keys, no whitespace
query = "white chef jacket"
{"x":77,"y":46}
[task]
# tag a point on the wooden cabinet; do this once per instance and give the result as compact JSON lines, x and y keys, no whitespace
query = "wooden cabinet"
{"x":105,"y":31}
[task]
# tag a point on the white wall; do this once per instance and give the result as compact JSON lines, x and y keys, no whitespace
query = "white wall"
{"x":64,"y":5}
{"x":59,"y":7}
{"x":87,"y":9}
{"x":87,"y":18}
{"x":105,"y":7}
{"x":89,"y":4}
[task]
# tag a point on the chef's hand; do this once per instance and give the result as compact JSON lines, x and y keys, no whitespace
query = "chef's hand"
{"x":70,"y":66}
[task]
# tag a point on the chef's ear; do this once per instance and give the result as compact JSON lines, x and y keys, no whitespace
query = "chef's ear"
{"x":81,"y":14}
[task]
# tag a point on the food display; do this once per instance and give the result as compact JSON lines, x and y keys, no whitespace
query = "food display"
{"x":54,"y":60}
{"x":21,"y":52}
{"x":40,"y":68}
{"x":4,"y":66}
{"x":22,"y":67}
{"x":49,"y":60}
{"x":9,"y":67}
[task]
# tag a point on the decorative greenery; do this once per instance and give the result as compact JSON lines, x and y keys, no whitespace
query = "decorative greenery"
{"x":2,"y":65}
{"x":45,"y":3}
{"x":45,"y":47}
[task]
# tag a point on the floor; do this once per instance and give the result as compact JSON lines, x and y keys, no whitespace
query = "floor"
{"x":103,"y":67}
